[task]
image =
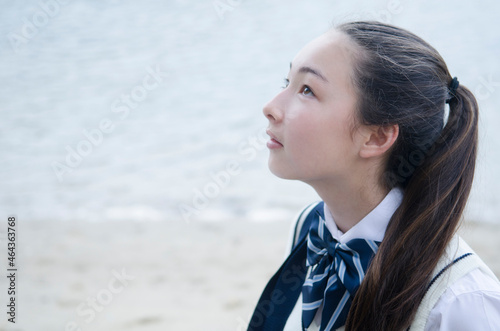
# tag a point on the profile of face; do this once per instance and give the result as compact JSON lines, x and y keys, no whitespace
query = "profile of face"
{"x":311,"y":120}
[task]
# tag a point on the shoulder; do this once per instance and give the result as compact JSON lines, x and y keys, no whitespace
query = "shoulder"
{"x":464,"y":293}
{"x":471,"y":303}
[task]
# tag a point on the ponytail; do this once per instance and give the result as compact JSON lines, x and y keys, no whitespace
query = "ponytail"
{"x":433,"y":164}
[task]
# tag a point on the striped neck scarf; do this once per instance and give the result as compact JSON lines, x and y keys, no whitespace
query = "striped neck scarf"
{"x":336,"y":273}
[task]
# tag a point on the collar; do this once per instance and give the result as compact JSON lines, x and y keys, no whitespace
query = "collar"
{"x":373,"y":225}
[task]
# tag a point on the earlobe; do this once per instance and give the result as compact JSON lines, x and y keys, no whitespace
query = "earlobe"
{"x":379,"y":140}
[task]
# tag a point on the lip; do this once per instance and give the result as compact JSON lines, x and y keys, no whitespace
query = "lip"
{"x":274,"y":143}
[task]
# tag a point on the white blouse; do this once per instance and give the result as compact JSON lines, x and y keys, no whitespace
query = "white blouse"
{"x":472,"y":303}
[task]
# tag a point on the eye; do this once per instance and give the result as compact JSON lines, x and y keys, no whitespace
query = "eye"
{"x":306,"y":90}
{"x":286,"y":82}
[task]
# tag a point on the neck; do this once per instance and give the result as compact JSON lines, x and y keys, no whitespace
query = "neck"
{"x":349,"y":203}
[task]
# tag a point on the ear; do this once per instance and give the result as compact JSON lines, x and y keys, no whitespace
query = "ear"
{"x":378,"y":140}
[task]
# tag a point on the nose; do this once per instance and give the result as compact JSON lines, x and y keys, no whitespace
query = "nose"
{"x":273,"y":109}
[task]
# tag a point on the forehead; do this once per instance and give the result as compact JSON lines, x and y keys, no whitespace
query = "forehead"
{"x":331,"y":53}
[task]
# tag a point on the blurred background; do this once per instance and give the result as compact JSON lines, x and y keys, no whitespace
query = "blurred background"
{"x":127,"y":112}
{"x":66,"y":69}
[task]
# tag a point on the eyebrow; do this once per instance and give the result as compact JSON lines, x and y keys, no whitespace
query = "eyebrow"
{"x":311,"y":71}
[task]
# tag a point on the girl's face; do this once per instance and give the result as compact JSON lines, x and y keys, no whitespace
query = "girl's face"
{"x":311,"y":121}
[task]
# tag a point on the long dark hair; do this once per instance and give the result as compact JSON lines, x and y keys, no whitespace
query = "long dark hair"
{"x":400,"y":79}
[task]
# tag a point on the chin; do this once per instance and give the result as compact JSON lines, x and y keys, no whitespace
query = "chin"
{"x":278,"y":170}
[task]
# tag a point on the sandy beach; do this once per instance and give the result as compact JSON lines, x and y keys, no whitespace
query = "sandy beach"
{"x":157,"y":275}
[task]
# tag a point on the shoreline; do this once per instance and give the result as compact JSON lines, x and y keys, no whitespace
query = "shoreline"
{"x":159,"y":275}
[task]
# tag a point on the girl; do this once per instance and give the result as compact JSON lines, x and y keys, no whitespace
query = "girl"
{"x":362,"y":118}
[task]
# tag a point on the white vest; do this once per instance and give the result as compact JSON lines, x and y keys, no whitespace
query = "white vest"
{"x":450,"y":271}
{"x":456,"y":248}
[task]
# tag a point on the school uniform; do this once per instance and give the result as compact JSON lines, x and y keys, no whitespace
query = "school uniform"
{"x":465,"y":294}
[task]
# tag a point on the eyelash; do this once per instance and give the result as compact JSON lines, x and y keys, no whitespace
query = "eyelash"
{"x":286,"y":82}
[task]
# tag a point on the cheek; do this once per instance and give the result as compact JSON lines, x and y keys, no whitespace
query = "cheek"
{"x":307,"y":144}
{"x":321,"y":141}
{"x":296,"y":114}
{"x":302,"y":133}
